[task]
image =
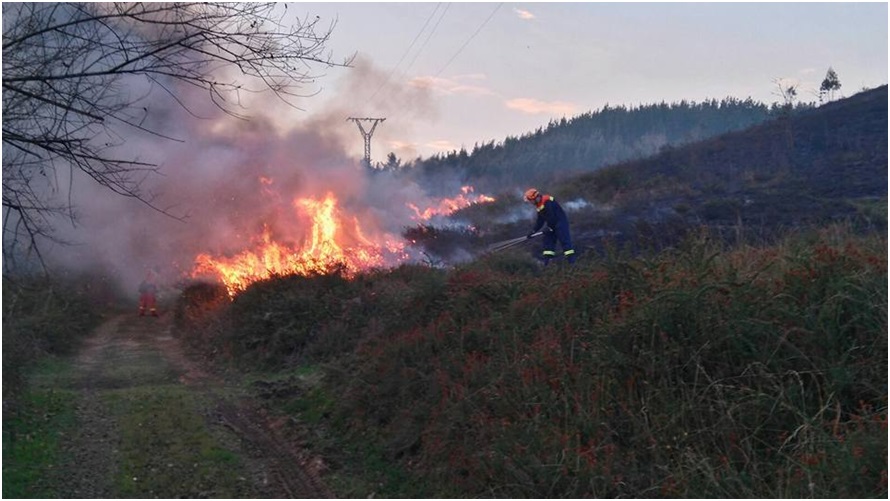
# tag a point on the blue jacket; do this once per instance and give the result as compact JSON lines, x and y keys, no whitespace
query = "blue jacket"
{"x":550,"y":212}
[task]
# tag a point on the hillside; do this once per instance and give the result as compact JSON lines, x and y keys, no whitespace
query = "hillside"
{"x":701,"y":371}
{"x":809,"y":168}
{"x":724,"y":335}
{"x":589,"y":141}
{"x":781,"y":169}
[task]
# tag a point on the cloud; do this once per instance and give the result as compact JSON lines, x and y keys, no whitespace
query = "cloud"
{"x":404,"y":150}
{"x":442,"y":145}
{"x":538,"y":107}
{"x":452,"y":86}
{"x":471,"y":76}
{"x":524,"y":14}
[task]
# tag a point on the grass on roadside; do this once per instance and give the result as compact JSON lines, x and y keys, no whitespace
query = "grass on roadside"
{"x":167,"y":449}
{"x":32,"y":438}
{"x":41,"y":317}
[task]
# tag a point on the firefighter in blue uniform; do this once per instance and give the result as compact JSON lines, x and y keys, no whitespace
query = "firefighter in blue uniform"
{"x":550,"y":212}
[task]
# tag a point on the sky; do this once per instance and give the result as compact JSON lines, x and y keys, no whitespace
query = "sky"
{"x":476,"y":72}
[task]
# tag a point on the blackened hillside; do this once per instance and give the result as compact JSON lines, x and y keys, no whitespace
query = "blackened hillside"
{"x":806,"y":168}
{"x":821,"y":165}
{"x":837,"y":150}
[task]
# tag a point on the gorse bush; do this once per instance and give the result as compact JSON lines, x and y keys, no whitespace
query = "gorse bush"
{"x":293,"y":319}
{"x":200,"y":312}
{"x":699,"y":371}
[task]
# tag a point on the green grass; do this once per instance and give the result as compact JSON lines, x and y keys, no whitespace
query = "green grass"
{"x":167,"y":449}
{"x":41,"y":318}
{"x":157,"y":438}
{"x":33,"y":436}
{"x":873,"y":211}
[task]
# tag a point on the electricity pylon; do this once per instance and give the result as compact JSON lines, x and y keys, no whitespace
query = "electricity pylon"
{"x":367,"y":134}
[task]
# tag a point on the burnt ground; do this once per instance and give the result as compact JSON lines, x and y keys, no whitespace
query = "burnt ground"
{"x":152,"y":423}
{"x":824,"y":166}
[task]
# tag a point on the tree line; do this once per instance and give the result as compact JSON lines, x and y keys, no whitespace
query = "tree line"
{"x":586,"y":142}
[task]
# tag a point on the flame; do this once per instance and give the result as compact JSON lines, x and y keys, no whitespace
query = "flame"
{"x":334,"y":242}
{"x":330,"y":246}
{"x":448,"y":206}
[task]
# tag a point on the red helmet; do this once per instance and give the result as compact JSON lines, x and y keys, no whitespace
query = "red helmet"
{"x":531,"y":194}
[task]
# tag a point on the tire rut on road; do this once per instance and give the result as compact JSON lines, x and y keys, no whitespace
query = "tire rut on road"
{"x":91,"y":449}
{"x":278,"y":468}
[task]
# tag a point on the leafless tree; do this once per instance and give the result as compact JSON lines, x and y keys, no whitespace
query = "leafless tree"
{"x":787,"y":91}
{"x":67,"y":102}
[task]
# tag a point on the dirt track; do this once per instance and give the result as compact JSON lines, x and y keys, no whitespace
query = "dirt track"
{"x":151,"y":423}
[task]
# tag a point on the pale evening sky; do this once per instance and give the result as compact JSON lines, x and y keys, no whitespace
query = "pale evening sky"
{"x":447,"y":75}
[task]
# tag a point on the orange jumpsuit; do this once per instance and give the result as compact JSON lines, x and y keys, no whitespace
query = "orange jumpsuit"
{"x":147,"y":300}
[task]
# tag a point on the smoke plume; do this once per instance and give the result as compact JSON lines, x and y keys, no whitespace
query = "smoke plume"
{"x":224,"y":179}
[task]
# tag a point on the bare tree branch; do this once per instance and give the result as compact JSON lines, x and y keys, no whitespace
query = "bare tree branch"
{"x":65,"y":102}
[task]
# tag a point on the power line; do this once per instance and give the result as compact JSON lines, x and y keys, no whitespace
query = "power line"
{"x":447,"y":6}
{"x":498,"y":6}
{"x":428,"y":37}
{"x":416,"y":37}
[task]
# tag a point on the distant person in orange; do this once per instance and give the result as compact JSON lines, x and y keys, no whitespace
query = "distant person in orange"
{"x":148,"y":291}
{"x":551,"y":214}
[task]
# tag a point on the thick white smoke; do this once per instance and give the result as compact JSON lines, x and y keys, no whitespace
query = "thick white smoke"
{"x":226,"y":178}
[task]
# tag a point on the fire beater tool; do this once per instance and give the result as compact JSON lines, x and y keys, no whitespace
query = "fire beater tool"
{"x":506,"y":244}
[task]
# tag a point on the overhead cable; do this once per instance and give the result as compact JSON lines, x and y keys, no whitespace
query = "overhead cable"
{"x":498,"y":6}
{"x":447,"y":6}
{"x":394,"y":68}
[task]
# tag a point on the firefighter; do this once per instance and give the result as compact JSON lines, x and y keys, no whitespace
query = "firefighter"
{"x":148,"y":290}
{"x":550,"y":212}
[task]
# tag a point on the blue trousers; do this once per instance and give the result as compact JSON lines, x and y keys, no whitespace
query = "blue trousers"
{"x":562,"y":235}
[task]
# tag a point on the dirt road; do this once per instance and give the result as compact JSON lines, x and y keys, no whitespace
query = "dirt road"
{"x":151,"y":423}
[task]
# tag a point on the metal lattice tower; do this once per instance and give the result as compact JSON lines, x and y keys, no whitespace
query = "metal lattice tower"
{"x":367,"y":134}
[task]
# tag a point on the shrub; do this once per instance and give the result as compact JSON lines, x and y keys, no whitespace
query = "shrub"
{"x":41,"y":317}
{"x":694,"y":372}
{"x":199,"y":318}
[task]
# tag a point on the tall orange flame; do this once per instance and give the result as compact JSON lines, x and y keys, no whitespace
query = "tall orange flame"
{"x":330,"y":246}
{"x":333,"y":242}
{"x":448,"y":206}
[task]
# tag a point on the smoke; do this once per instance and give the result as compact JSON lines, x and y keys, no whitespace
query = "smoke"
{"x":224,"y":179}
{"x":577,"y":204}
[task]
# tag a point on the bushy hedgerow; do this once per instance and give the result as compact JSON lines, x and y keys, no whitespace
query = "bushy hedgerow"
{"x":200,"y":317}
{"x":698,"y":371}
{"x":41,"y":317}
{"x":298,"y":319}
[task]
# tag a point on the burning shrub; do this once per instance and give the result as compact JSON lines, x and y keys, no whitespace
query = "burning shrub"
{"x":448,"y":244}
{"x":695,"y":371}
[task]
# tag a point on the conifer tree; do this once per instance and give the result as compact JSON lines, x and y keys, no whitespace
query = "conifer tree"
{"x":830,"y":84}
